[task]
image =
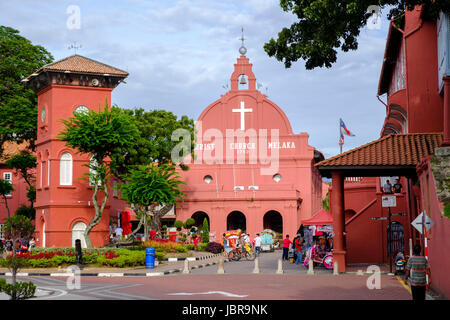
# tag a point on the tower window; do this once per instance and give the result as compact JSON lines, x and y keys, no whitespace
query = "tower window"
{"x":7,"y":176}
{"x":65,"y":169}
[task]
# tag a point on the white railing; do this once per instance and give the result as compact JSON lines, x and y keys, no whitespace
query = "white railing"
{"x":353,"y":179}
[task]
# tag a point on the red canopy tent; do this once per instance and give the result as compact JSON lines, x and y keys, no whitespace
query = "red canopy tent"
{"x":323,"y":217}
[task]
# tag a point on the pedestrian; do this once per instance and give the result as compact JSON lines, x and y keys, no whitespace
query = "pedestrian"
{"x":387,"y":188}
{"x":397,"y":186}
{"x":286,"y":244}
{"x":257,"y":242}
{"x":32,"y":244}
{"x":119,"y":232}
{"x":298,"y":249}
{"x":417,"y":269}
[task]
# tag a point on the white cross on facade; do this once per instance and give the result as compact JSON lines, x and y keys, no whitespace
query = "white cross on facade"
{"x":242,"y":110}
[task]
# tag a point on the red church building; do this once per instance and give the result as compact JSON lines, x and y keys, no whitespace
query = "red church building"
{"x":251,"y":171}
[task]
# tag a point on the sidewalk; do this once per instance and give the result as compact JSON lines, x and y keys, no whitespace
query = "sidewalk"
{"x":169,"y":266}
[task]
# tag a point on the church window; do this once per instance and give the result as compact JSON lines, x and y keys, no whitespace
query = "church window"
{"x":276,"y":177}
{"x":207,"y":179}
{"x":65,"y":169}
{"x":81,"y":109}
{"x":7,"y":176}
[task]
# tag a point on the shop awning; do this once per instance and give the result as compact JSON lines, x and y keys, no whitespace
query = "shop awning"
{"x":323,"y":217}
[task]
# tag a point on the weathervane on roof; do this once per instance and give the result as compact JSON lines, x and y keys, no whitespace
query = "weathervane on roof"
{"x":242,"y":49}
{"x":74,"y":47}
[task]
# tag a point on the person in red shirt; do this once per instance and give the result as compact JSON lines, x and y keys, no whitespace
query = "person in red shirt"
{"x":286,"y":243}
{"x":298,"y":249}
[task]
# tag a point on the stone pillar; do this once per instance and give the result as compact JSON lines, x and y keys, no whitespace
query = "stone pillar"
{"x":446,"y":141}
{"x":337,"y":209}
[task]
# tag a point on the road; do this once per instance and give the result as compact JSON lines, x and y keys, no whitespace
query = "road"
{"x":238,"y":283}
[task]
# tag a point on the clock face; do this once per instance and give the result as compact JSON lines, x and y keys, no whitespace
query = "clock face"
{"x":43,"y":115}
{"x":81,"y":109}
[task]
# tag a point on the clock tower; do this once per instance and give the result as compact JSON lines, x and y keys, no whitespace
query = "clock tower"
{"x":64,"y":205}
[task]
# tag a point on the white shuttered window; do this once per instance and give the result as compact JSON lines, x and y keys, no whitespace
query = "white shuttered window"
{"x":65,"y":169}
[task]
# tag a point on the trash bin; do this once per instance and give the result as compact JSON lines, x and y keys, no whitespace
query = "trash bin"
{"x":78,"y":251}
{"x":149,"y":258}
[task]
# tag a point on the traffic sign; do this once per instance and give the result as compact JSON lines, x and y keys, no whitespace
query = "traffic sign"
{"x":388,"y":201}
{"x":417,"y":223}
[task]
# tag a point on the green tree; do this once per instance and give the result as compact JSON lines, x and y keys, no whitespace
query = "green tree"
{"x":17,"y":228}
{"x":24,"y":162}
{"x":326,"y":25}
{"x":154,"y":147}
{"x":326,"y":202}
{"x":149,"y":187}
{"x":189,"y":223}
{"x":18,"y":104}
{"x":99,"y":134}
{"x":155,"y":143}
{"x":5,"y":189}
{"x":205,"y":233}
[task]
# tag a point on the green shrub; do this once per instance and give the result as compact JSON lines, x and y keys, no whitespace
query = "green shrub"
{"x":189,"y":223}
{"x":447,"y":210}
{"x":19,"y":291}
{"x":205,"y":231}
{"x":202,"y":246}
{"x":25,"y":211}
{"x":190,"y":246}
{"x":178,"y":224}
{"x":181,"y":249}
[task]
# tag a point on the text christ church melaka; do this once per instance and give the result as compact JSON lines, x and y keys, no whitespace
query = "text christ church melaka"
{"x":251,"y":172}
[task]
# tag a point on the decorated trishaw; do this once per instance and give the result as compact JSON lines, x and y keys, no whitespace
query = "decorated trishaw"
{"x":237,"y":248}
{"x":267,"y":241}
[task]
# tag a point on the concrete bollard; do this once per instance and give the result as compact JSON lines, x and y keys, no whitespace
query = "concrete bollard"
{"x":256,"y":269}
{"x":310,"y":267}
{"x":335,"y":268}
{"x":186,"y":267}
{"x":221,"y":270}
{"x":280,"y":267}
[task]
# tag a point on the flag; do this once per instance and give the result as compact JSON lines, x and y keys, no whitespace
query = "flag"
{"x":344,"y":130}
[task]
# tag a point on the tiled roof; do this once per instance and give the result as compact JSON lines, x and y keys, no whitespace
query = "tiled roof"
{"x":391,"y":150}
{"x":11,"y":148}
{"x":80,"y":64}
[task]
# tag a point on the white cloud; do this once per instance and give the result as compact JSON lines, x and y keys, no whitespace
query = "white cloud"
{"x":180,"y":53}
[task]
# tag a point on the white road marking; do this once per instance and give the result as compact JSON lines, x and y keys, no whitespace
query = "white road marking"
{"x":62,"y":293}
{"x":227,"y":294}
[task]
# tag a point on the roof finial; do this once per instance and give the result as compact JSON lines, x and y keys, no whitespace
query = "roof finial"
{"x":242,"y":49}
{"x":75,"y":47}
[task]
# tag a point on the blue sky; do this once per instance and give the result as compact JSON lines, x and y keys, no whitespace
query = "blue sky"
{"x":180,"y":54}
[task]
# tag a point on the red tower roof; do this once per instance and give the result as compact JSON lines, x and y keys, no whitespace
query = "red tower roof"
{"x":80,"y":64}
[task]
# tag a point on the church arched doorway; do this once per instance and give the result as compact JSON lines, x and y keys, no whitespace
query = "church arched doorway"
{"x":78,"y":233}
{"x":236,"y":220}
{"x":274,"y":221}
{"x":199,"y":216}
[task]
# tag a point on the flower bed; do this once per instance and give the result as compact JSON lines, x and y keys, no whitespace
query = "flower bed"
{"x":111,"y":258}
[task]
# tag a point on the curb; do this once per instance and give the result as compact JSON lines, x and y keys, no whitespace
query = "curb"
{"x":192,"y":258}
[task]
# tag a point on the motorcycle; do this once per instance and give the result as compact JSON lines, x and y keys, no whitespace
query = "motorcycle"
{"x":400,"y":263}
{"x":326,"y":260}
